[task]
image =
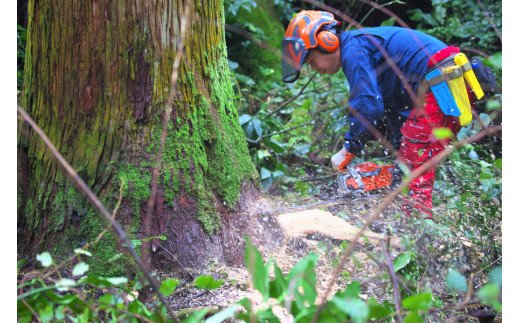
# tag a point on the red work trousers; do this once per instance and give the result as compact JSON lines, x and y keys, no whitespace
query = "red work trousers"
{"x":418,"y":145}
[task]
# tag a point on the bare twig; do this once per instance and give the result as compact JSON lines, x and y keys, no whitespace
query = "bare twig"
{"x":35,"y":315}
{"x":469,"y":293}
{"x":175,"y":258}
{"x":166,"y":118}
{"x":395,"y":284}
{"x":383,"y":266}
{"x":85,"y":190}
{"x":288,"y":129}
{"x":380,"y":6}
{"x":284,"y":104}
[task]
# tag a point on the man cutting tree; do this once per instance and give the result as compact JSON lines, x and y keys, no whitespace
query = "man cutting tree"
{"x":386,"y":69}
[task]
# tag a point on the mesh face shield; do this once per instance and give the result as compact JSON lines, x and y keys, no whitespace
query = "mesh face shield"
{"x":293,"y":57}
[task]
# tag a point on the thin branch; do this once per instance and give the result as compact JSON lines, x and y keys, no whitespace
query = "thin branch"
{"x":175,"y":258}
{"x":277,"y":133}
{"x":286,"y":130}
{"x":395,"y":284}
{"x":166,"y":118}
{"x":380,"y":6}
{"x":284,"y":104}
{"x":35,"y":315}
{"x":85,"y":190}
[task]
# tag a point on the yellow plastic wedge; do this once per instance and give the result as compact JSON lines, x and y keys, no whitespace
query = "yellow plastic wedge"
{"x":461,"y":60}
{"x":460,"y":94}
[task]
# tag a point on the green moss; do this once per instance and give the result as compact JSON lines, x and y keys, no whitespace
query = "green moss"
{"x":136,"y":184}
{"x":91,"y":225}
{"x":66,"y":201}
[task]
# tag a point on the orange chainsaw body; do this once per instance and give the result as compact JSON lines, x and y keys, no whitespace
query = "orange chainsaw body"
{"x":366,"y":177}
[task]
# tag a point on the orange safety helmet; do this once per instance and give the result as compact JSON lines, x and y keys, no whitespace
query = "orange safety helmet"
{"x":309,"y":29}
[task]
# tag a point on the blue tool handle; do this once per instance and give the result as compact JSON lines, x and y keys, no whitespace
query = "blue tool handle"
{"x":442,"y":94}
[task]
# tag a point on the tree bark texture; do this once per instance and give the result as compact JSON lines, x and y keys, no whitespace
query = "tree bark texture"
{"x":97,"y":77}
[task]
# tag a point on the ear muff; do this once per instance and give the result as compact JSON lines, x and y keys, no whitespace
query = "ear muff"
{"x":327,"y":41}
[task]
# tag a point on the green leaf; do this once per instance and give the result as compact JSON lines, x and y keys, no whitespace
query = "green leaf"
{"x":402,"y":260}
{"x":265,"y":173}
{"x":278,"y":286}
{"x":388,"y":22}
{"x":257,"y":125}
{"x":417,"y":302}
{"x":117,"y":280}
{"x":255,"y":267}
{"x":244,"y":119}
{"x":489,"y":294}
{"x":45,"y":259}
{"x":80,"y":251}
{"x":224,"y":314}
{"x":64,"y":284}
{"x":207,"y":282}
{"x":46,"y":313}
{"x":413,"y":317}
{"x":276,"y":146}
{"x":442,"y":133}
{"x":20,"y":263}
{"x":168,"y":286}
{"x":352,"y":290}
{"x":106,"y":299}
{"x":495,"y":276}
{"x":136,"y":243}
{"x":498,"y":163}
{"x":80,"y":269}
{"x":262,"y":153}
{"x":493,"y":105}
{"x":114,"y":258}
{"x":356,"y":308}
{"x":494,"y":60}
{"x":456,"y":281}
{"x":196,"y":317}
{"x":485,"y":118}
{"x":378,"y":311}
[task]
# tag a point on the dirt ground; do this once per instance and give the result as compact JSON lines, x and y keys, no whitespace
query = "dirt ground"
{"x":320,"y":223}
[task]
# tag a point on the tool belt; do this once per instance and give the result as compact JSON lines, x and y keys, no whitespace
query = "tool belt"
{"x":447,"y":80}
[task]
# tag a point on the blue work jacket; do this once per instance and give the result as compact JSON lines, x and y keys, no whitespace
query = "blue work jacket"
{"x":376,"y":91}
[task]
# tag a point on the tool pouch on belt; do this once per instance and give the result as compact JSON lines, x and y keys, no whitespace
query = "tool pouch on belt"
{"x":460,"y":94}
{"x":446,"y":80}
{"x":442,"y":93}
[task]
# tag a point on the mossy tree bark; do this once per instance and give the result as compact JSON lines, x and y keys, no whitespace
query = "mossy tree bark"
{"x":97,"y":77}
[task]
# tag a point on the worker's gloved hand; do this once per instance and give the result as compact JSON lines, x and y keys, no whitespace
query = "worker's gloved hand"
{"x":341,"y":160}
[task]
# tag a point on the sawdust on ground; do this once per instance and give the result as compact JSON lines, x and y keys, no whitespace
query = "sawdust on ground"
{"x":302,"y":223}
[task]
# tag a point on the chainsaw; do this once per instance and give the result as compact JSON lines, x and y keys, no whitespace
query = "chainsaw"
{"x":367,"y":177}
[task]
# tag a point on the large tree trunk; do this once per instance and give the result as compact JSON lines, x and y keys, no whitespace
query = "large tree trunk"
{"x":97,"y":78}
